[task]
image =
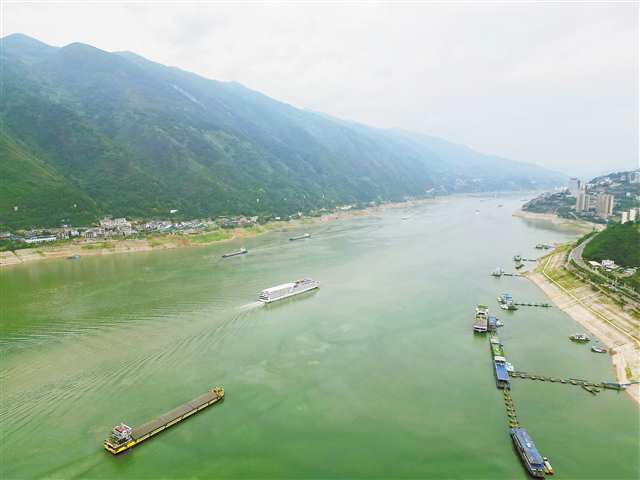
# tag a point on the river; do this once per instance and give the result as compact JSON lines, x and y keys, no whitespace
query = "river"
{"x":377,"y":374}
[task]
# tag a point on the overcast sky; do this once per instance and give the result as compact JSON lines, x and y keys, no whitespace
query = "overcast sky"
{"x":549,"y":83}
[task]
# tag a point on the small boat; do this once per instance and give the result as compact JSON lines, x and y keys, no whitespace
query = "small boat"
{"x":548,"y":469}
{"x":477,"y":212}
{"x":579,"y":337}
{"x":498,"y":272}
{"x":517,"y":258}
{"x":73,"y":257}
{"x":519,"y":265}
{"x":405,"y":218}
{"x":598,"y":349}
{"x":500,"y":205}
{"x":509,"y":367}
{"x":300,"y":237}
{"x":242,"y":251}
{"x":499,"y":323}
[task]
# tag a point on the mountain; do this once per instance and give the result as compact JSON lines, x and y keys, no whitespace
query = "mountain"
{"x":87,"y":132}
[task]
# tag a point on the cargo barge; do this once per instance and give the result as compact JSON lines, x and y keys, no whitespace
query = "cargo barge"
{"x":300,"y":237}
{"x":242,"y":251}
{"x":124,"y":437}
{"x":531,"y":458}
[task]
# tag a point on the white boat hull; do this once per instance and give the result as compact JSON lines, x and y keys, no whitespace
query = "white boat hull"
{"x":298,"y":292}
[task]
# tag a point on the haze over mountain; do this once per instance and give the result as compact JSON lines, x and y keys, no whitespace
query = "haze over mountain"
{"x":87,"y":132}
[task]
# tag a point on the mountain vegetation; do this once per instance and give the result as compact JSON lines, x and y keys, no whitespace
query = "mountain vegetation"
{"x":617,"y":242}
{"x":87,"y":132}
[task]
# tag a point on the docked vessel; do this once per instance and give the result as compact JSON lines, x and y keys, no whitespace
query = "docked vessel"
{"x":506,"y":302}
{"x":123,"y":437}
{"x":519,"y":265}
{"x":579,"y":337}
{"x":597,"y":349}
{"x":493,"y":323}
{"x":531,"y":458}
{"x":517,"y":258}
{"x":242,"y":251}
{"x":498,"y":272}
{"x":73,"y":257}
{"x":286,"y":290}
{"x":481,"y":321}
{"x":300,"y":237}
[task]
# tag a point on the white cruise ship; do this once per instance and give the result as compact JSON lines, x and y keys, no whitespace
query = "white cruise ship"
{"x":288,"y":290}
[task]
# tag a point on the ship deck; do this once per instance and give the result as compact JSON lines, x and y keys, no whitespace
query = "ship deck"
{"x":176,"y":414}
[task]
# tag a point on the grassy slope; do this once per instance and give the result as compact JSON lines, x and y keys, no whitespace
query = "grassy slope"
{"x":620,"y":243}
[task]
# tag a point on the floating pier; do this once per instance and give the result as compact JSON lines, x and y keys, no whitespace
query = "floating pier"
{"x":589,"y":386}
{"x":124,"y":437}
{"x":523,"y":304}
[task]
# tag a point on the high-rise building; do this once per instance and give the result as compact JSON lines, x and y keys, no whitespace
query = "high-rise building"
{"x":573,"y":186}
{"x":633,"y":214}
{"x":624,"y":217}
{"x":582,"y":202}
{"x":604,"y":205}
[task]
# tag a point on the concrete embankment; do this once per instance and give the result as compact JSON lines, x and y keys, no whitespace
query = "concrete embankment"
{"x":615,"y":328}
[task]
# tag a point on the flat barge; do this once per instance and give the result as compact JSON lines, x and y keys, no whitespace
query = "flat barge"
{"x":242,"y":251}
{"x":300,"y":237}
{"x":124,"y":437}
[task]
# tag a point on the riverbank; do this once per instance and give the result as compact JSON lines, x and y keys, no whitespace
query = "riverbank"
{"x":579,"y":225}
{"x":596,"y":313}
{"x":111,"y":246}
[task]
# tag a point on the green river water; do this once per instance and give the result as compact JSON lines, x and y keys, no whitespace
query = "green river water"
{"x":377,"y":374}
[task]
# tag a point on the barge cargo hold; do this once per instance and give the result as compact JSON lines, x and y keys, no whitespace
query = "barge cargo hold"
{"x":124,"y":437}
{"x":529,"y":454}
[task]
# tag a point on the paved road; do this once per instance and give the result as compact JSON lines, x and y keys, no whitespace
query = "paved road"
{"x":576,"y":256}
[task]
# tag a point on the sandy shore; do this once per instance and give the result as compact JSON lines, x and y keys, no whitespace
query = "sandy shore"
{"x":86,"y":248}
{"x":616,"y":329}
{"x":579,"y":225}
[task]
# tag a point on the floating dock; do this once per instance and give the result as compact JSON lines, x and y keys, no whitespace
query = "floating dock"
{"x":123,"y":437}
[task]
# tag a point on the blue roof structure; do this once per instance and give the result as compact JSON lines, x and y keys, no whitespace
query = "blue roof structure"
{"x":529,"y":448}
{"x":501,"y":372}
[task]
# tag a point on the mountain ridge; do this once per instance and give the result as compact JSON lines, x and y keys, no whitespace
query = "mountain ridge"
{"x":131,"y":137}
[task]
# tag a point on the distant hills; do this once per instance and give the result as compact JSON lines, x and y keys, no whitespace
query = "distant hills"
{"x":87,"y":132}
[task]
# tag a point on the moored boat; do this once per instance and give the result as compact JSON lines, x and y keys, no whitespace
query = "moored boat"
{"x":531,"y":458}
{"x":598,"y":349}
{"x":579,"y":337}
{"x":286,"y":290}
{"x":481,"y":321}
{"x":498,"y":272}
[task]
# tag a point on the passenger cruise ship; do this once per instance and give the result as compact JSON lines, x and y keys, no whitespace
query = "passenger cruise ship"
{"x":288,"y":290}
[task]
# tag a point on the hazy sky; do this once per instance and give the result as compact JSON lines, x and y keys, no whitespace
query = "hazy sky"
{"x":549,"y":83}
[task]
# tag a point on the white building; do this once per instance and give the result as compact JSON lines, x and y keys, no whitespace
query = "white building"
{"x":624,"y":217}
{"x":573,"y":186}
{"x":633,"y":214}
{"x":582,"y":202}
{"x":41,"y":239}
{"x":604,"y":205}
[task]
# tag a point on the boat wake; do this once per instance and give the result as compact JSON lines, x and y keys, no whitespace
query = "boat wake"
{"x":250,"y":306}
